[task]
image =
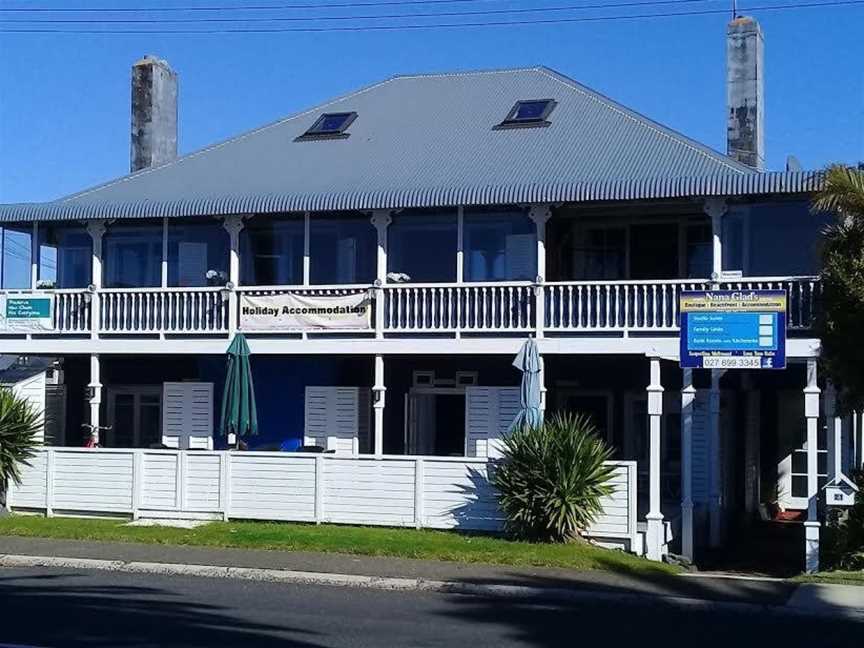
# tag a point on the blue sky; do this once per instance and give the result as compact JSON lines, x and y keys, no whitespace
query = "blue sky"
{"x":64,"y":99}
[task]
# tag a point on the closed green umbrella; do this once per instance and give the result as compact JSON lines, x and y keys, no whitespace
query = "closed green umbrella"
{"x":239,"y":415}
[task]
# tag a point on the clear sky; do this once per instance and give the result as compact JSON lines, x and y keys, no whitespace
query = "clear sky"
{"x":64,"y":98}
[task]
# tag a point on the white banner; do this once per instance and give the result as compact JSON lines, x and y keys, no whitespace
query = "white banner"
{"x":293,"y":311}
{"x":26,"y":313}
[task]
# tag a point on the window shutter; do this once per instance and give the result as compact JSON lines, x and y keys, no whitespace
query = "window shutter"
{"x":337,"y":418}
{"x":490,"y":412}
{"x":187,"y":415}
{"x":32,"y":390}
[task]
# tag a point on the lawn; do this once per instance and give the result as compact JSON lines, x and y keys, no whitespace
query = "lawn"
{"x":836,"y":577}
{"x":368,"y":541}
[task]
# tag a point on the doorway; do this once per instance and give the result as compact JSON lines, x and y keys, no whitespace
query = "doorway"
{"x":435,"y":421}
{"x":134,"y":415}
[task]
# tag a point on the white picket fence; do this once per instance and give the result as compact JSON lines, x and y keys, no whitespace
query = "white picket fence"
{"x":394,"y":490}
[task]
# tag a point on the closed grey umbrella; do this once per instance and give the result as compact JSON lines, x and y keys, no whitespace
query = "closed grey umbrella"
{"x":528,"y":362}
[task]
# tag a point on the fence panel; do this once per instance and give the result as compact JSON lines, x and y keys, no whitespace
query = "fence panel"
{"x":434,"y":492}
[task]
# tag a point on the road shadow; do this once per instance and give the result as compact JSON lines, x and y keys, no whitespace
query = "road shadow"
{"x":556,"y":620}
{"x":67,"y":609}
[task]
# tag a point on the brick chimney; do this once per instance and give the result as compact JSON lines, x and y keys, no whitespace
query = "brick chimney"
{"x":154,"y":114}
{"x":745,"y":92}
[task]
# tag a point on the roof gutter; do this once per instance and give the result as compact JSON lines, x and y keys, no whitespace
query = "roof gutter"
{"x":744,"y":184}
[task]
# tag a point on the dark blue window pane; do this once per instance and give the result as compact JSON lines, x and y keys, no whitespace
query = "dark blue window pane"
{"x":342,"y":250}
{"x":15,"y":250}
{"x":197,"y":253}
{"x":65,"y":257}
{"x":530,"y":110}
{"x":133,"y":255}
{"x":423,"y":246}
{"x":271,"y":251}
{"x":332,"y":123}
{"x":499,"y":246}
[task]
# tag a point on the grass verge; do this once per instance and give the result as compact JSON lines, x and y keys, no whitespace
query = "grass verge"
{"x":834,"y":577}
{"x":367,"y":541}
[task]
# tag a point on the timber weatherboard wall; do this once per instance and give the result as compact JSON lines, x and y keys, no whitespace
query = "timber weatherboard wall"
{"x":402,"y":491}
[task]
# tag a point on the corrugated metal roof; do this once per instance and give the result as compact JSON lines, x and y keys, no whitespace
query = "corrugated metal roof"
{"x":428,"y":141}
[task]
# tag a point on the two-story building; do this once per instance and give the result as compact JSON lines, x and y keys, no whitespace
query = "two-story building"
{"x":387,"y":253}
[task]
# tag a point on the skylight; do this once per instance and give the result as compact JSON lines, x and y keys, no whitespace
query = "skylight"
{"x":527,"y":113}
{"x":330,"y":126}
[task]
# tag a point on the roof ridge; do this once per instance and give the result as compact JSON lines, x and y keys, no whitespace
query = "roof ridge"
{"x":647,"y":122}
{"x":474,"y":72}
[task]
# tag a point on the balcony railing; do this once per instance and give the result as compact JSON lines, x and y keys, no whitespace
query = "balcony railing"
{"x":576,"y":307}
{"x":437,"y":308}
{"x":653,"y":305}
{"x":162,"y":310}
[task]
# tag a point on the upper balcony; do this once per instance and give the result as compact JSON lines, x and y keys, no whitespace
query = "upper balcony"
{"x":615,"y":308}
{"x":457,"y":273}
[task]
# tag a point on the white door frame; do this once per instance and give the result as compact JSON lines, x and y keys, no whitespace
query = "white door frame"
{"x":431,"y":390}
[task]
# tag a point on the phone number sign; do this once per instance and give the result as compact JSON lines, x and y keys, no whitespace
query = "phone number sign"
{"x":733,"y":329}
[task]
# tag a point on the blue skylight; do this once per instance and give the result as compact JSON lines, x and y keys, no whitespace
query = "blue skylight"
{"x":531,"y":112}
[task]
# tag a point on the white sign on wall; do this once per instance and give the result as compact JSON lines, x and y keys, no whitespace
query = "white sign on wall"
{"x":25,"y":313}
{"x":293,"y":311}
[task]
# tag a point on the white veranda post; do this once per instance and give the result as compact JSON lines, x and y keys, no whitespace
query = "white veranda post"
{"x":233,"y":225}
{"x":378,"y":397}
{"x":96,"y":229}
{"x":715,"y":208}
{"x":655,"y":539}
{"x":95,"y":387}
{"x":715,"y":517}
{"x":381,"y":220}
{"x":688,"y":396}
{"x":540,"y":214}
{"x":811,"y":412}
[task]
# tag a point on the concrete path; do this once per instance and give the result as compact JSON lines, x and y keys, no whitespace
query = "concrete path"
{"x":424,"y":575}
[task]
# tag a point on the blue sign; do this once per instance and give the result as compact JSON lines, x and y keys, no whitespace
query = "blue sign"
{"x":733,"y":329}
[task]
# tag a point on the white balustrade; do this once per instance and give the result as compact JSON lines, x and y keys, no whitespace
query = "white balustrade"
{"x":72,"y":311}
{"x":653,"y":305}
{"x":507,"y":307}
{"x":498,"y":307}
{"x":163,"y":310}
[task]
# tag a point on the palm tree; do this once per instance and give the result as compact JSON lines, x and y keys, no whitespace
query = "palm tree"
{"x":841,"y":317}
{"x":842,"y":192}
{"x":19,"y":425}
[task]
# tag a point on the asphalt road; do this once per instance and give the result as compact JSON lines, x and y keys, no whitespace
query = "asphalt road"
{"x":45,"y":607}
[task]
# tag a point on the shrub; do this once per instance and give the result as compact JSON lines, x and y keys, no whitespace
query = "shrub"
{"x":19,"y":425}
{"x":552,"y":477}
{"x":844,"y":533}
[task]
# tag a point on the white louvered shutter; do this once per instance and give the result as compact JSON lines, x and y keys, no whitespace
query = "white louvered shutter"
{"x":187,"y":415}
{"x":490,"y":412}
{"x":337,"y":418}
{"x":32,"y":390}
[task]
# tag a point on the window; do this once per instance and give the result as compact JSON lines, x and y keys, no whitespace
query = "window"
{"x":700,"y":251}
{"x":15,"y":244}
{"x":197,"y":253}
{"x":499,"y":246}
{"x":133,"y":255}
{"x":65,"y":256}
{"x":329,"y":126}
{"x":342,"y":250}
{"x":733,"y":242}
{"x":533,"y":112}
{"x":271,"y":251}
{"x":600,"y":253}
{"x":422,"y":246}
